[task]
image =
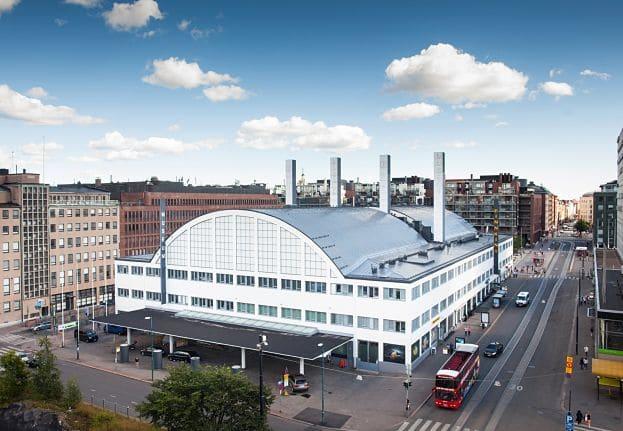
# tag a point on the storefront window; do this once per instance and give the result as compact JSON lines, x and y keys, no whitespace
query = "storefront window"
{"x":368,"y":351}
{"x":425,"y":342}
{"x":393,"y":353}
{"x":415,"y":351}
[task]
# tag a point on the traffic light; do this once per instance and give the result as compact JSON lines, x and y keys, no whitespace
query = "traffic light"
{"x":406,"y":384}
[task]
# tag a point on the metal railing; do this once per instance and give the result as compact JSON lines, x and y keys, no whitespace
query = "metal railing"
{"x":116,"y":408}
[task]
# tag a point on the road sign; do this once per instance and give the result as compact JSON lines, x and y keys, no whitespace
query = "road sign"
{"x":569,"y":366}
{"x":569,"y":422}
{"x":484,"y":317}
{"x":68,"y":326}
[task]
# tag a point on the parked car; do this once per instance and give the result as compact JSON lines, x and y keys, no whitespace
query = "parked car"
{"x":44,"y":326}
{"x":182,"y":356}
{"x":88,"y":336}
{"x":298,"y":383}
{"x":523,"y":299}
{"x":146,"y":351}
{"x":27,"y":359}
{"x":114,"y":329}
{"x":493,"y":349}
{"x":503,"y":291}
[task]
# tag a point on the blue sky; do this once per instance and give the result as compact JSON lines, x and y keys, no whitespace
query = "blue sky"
{"x":244,"y":85}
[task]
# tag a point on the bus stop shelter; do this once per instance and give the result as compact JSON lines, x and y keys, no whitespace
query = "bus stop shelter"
{"x":301,"y":342}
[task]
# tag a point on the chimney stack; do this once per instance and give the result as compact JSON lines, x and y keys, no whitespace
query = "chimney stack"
{"x":335,"y":192}
{"x":385,"y":192}
{"x":439,"y":233}
{"x":290,"y":182}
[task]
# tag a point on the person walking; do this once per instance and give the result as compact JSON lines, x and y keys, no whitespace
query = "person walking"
{"x":586,"y":351}
{"x":587,"y":419}
{"x":579,"y":417}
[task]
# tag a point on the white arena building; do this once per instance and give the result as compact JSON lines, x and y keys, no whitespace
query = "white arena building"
{"x":395,"y":280}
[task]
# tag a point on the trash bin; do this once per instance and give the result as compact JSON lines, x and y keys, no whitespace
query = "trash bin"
{"x":157,"y":358}
{"x":195,"y":362}
{"x":124,"y":353}
{"x":236,"y":369}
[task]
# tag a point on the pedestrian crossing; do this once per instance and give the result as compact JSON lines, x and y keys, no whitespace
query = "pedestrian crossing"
{"x":420,"y":424}
{"x":4,"y":350}
{"x":13,"y":339}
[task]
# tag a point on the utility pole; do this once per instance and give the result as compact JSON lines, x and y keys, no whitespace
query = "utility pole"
{"x":577,"y":314}
{"x":260,"y":346}
{"x":62,"y":303}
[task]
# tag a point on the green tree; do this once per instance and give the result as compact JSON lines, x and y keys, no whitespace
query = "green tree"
{"x":14,"y":378}
{"x":582,"y":226}
{"x":517,"y":243}
{"x":46,"y":379}
{"x":208,"y":399}
{"x":72,"y":395}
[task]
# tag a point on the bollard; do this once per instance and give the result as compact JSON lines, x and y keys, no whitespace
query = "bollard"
{"x":115,"y":408}
{"x":91,"y":399}
{"x":103,"y":408}
{"x":127,"y":411}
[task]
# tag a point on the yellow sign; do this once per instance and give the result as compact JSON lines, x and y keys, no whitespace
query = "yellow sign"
{"x":569,"y":365}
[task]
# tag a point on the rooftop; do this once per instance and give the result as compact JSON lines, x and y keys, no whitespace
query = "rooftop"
{"x":610,"y":297}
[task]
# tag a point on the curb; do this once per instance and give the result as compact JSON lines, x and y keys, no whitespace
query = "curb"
{"x":117,"y":373}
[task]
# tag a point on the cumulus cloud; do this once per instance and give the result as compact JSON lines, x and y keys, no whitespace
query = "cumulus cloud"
{"x":200,"y":33}
{"x":592,"y":73}
{"x":148,"y":34}
{"x":443,"y":72}
{"x":60,"y":22}
{"x":177,"y":73}
{"x":37,"y":93}
{"x":411,"y":111}
{"x":557,"y":89}
{"x":554,"y":72}
{"x":183,"y":25}
{"x":83,"y":159}
{"x":501,"y":124}
{"x":298,"y":133}
{"x":174,"y":127}
{"x":130,"y":16}
{"x":458,"y":117}
{"x":115,"y":146}
{"x":84,"y":3}
{"x":36,"y":150}
{"x":19,"y":107}
{"x":221,"y":93}
{"x":459,"y":145}
{"x":470,"y":105}
{"x":7,"y":5}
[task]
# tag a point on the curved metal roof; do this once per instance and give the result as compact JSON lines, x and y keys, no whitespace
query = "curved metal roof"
{"x":457,"y":227}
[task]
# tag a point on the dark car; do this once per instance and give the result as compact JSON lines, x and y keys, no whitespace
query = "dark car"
{"x":493,"y":349}
{"x":28,"y":359}
{"x":88,"y":336}
{"x":147,"y":351}
{"x":182,"y":356}
{"x":114,"y":329}
{"x":298,"y":383}
{"x":44,"y":326}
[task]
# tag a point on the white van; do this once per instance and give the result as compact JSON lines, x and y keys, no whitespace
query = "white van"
{"x":523,"y":298}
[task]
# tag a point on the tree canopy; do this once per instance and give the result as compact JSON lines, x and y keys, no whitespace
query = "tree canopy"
{"x":582,"y":226}
{"x":209,"y":399}
{"x":14,"y":377}
{"x":46,"y":378}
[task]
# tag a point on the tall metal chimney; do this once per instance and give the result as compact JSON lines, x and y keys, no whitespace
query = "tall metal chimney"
{"x":385,"y":192}
{"x":335,"y":192}
{"x":290,"y":182}
{"x":439,"y":227}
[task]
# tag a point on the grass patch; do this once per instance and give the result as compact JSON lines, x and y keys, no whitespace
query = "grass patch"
{"x":89,"y":418}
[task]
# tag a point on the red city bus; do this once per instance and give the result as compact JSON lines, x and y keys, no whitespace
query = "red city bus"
{"x":457,"y":376}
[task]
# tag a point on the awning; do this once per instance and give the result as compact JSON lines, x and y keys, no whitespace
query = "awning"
{"x":608,"y":368}
{"x":225,"y":334}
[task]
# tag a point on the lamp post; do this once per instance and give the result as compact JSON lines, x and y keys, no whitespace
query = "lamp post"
{"x":322,"y":386}
{"x":78,"y":319}
{"x":62,"y":304}
{"x":151,"y":331}
{"x":260,"y":346}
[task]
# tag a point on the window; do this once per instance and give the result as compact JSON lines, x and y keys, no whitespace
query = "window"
{"x":201,"y":276}
{"x":121,"y":269}
{"x":393,"y":294}
{"x":425,"y":317}
{"x":434,"y":311}
{"x":153,"y":296}
{"x":245,"y":280}
{"x":367,"y":322}
{"x":243,"y":307}
{"x":393,"y":326}
{"x":224,"y":278}
{"x":291,"y":313}
{"x":435,"y":283}
{"x":415,"y":324}
{"x":342,"y":289}
{"x":137,"y":270}
{"x":225,"y":305}
{"x":450,"y":274}
{"x":367,"y":291}
{"x":291,"y":284}
{"x":7,"y":306}
{"x":201,"y":302}
{"x":270,"y":283}
{"x":123,"y":293}
{"x":267,"y":310}
{"x":151,"y":272}
{"x":415,"y":292}
{"x":315,"y":316}
{"x":6,"y":287}
{"x":177,"y":274}
{"x":5,"y":247}
{"x":443,"y":278}
{"x":443,"y":305}
{"x":136,"y":294}
{"x":315,"y":287}
{"x":425,"y":287}
{"x":6,"y":265}
{"x":177,"y":299}
{"x":341,"y":319}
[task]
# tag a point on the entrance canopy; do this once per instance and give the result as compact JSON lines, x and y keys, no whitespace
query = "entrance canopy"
{"x":299,"y":342}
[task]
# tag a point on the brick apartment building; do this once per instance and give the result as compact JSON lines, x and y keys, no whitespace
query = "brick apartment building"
{"x":140,"y":200}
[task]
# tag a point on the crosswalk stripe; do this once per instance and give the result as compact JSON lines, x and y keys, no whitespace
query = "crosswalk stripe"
{"x":403,"y":426}
{"x":445,"y":427}
{"x":415,"y":424}
{"x":426,"y":425}
{"x":435,"y":426}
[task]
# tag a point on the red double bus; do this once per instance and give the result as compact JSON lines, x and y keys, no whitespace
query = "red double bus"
{"x":457,"y":376}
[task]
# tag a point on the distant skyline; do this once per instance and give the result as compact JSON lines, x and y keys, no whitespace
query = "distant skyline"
{"x":227,"y":90}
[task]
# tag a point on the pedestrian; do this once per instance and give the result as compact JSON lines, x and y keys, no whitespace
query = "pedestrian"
{"x":136,"y":361}
{"x":466,"y":330}
{"x":579,"y":417}
{"x":587,"y":418}
{"x":586,"y":351}
{"x":592,"y":331}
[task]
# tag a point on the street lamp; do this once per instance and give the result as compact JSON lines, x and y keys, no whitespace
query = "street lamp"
{"x":260,"y":346}
{"x":151,"y":331}
{"x":322,"y":384}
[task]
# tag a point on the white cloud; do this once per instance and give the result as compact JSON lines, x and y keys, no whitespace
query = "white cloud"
{"x":199,"y":33}
{"x":458,"y":117}
{"x":298,"y":133}
{"x":601,"y":75}
{"x":443,"y":72}
{"x":19,"y":107}
{"x":554,"y":72}
{"x":174,"y":127}
{"x":84,"y":3}
{"x":175,"y":73}
{"x":470,"y":105}
{"x":183,"y":25}
{"x":83,"y":159}
{"x":115,"y":146}
{"x":148,"y":34}
{"x":37,"y":93}
{"x":7,"y":5}
{"x":411,"y":111}
{"x":129,"y":16}
{"x":491,"y":117}
{"x":557,"y":89}
{"x":501,"y":124}
{"x":221,"y":93}
{"x":36,"y":150}
{"x":459,"y":145}
{"x":60,"y":22}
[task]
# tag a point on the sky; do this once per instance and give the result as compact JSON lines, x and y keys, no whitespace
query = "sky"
{"x":223,"y":91}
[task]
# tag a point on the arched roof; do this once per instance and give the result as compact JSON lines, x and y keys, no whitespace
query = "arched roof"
{"x":457,"y":228}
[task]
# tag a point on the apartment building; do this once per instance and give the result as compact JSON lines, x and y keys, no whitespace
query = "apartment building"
{"x":10,"y":216}
{"x":620,"y":195}
{"x":605,"y":215}
{"x":585,"y":208}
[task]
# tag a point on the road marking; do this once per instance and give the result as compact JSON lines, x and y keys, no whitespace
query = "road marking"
{"x":113,"y":396}
{"x":445,"y":427}
{"x":437,"y":425}
{"x":415,"y":424}
{"x":402,"y":427}
{"x":426,"y":425}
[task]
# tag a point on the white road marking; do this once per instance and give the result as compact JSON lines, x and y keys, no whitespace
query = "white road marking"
{"x":437,"y":425}
{"x":445,"y":427}
{"x":426,"y":425}
{"x":402,"y":427}
{"x":415,"y":424}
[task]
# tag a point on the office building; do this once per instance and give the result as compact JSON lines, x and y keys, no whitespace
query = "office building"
{"x":605,"y":215}
{"x":585,"y":208}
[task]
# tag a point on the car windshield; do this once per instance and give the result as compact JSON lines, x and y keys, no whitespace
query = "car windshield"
{"x":300,"y":381}
{"x":491,"y":346}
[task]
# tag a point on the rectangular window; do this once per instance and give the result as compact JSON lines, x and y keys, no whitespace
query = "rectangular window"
{"x":177,"y":299}
{"x":367,"y":292}
{"x":315,"y":287}
{"x":287,"y":284}
{"x":201,"y":276}
{"x":225,"y":305}
{"x":122,"y":269}
{"x":153,"y":296}
{"x":425,"y":287}
{"x":415,"y":292}
{"x":267,"y":282}
{"x":415,"y":324}
{"x":137,"y":270}
{"x":123,"y":293}
{"x":201,"y":302}
{"x":244,"y":307}
{"x":450,"y":274}
{"x":443,"y":278}
{"x":136,"y":294}
{"x":245,"y":280}
{"x":425,"y":317}
{"x":177,"y":274}
{"x":151,"y":272}
{"x":341,"y":319}
{"x":290,"y":313}
{"x":267,"y":310}
{"x":367,"y":322}
{"x":315,"y":316}
{"x":342,"y":289}
{"x":393,"y":326}
{"x":393,"y":294}
{"x":435,"y":283}
{"x":224,"y":278}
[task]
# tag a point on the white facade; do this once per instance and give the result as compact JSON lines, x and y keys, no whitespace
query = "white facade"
{"x":250,"y":264}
